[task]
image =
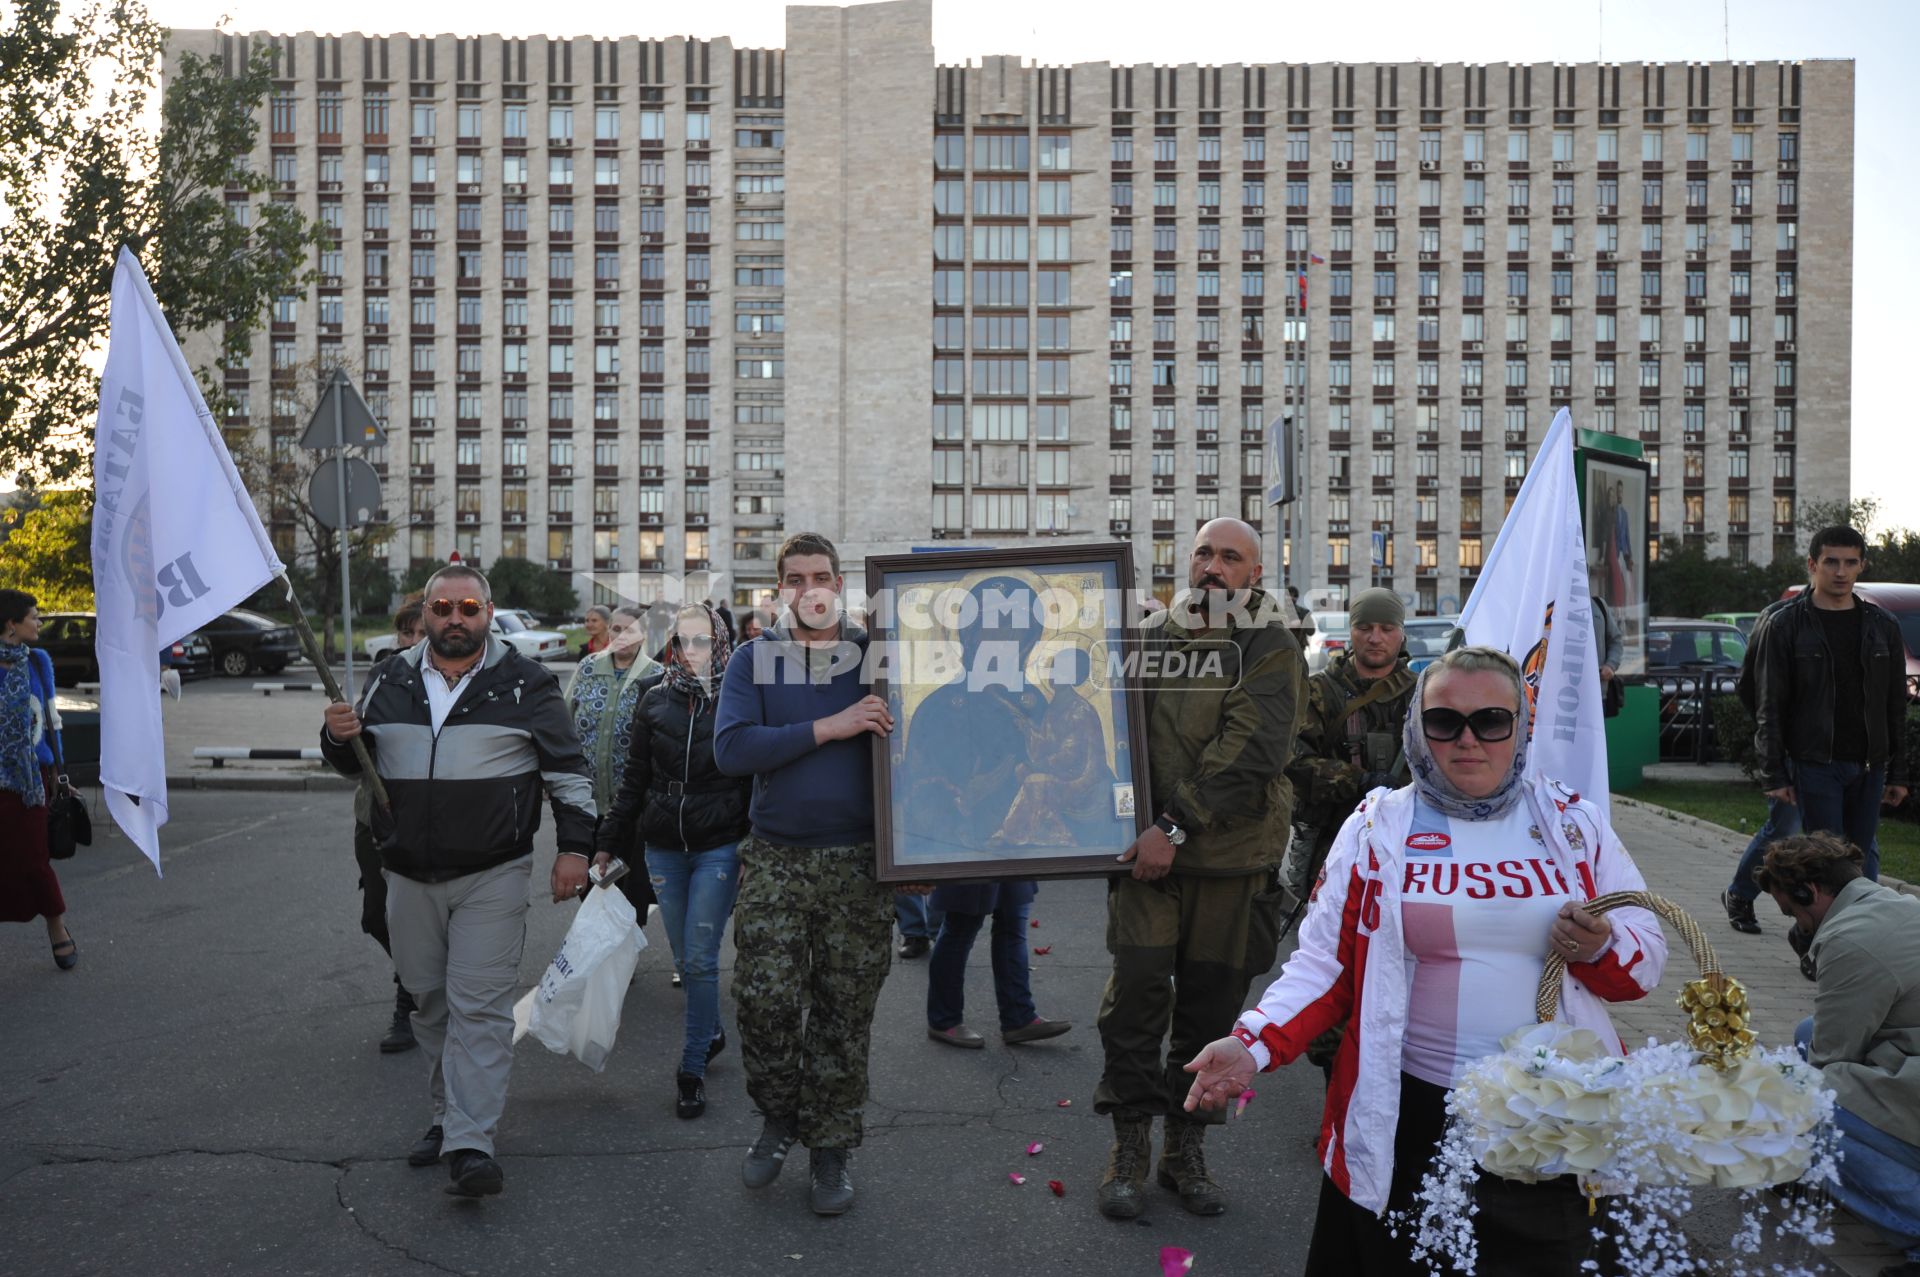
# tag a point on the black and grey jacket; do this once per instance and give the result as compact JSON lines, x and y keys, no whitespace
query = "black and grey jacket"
{"x":468,"y":798}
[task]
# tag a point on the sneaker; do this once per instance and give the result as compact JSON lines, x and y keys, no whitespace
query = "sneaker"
{"x":693,"y":1095}
{"x":1038,"y":1031}
{"x":769,"y":1152}
{"x":427,"y":1150}
{"x":472,"y":1173}
{"x":676,"y":981}
{"x":718,"y":1044}
{"x":1740,"y":913}
{"x":914,"y":947}
{"x":832,"y":1185}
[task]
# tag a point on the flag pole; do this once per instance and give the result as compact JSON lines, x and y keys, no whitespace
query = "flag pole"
{"x":314,"y":654}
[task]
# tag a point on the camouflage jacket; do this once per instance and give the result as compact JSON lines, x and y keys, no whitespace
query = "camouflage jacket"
{"x":1338,"y":748}
{"x":1218,"y":740}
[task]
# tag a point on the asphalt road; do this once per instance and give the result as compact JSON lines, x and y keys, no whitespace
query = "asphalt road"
{"x":203,"y":1095}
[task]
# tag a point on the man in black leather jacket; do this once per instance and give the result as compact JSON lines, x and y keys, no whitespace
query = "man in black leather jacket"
{"x":1831,"y":699}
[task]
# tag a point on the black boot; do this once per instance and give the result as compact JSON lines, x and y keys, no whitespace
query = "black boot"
{"x":693,"y":1095}
{"x":400,"y":1032}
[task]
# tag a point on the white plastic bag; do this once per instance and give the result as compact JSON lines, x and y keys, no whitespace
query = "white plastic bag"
{"x":575,"y":1009}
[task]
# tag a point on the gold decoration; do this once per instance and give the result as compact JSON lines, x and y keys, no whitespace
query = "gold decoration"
{"x":1716,"y":1007}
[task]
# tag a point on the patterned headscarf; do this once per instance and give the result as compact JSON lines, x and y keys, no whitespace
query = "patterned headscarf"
{"x":679,"y":678}
{"x":1432,"y":785}
{"x":21,"y":725}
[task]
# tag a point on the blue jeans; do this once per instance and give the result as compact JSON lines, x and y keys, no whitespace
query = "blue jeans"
{"x":696,"y":891}
{"x":916,"y":917}
{"x":947,"y":968}
{"x":1783,"y":821}
{"x":1879,"y":1175}
{"x":1843,"y":798}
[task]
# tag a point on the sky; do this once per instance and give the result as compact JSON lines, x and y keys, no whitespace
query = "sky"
{"x":1880,"y":35}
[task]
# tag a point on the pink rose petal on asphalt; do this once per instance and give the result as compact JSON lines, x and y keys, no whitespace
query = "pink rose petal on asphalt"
{"x":1035,"y":924}
{"x":1175,"y":1261}
{"x":1016,"y":1177}
{"x":1065,"y":1104}
{"x":1043,"y":950}
{"x":1034,"y":1148}
{"x":1059,"y":1189}
{"x":1246,"y":1098}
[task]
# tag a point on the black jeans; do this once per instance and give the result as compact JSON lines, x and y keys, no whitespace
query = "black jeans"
{"x":1523,"y":1230}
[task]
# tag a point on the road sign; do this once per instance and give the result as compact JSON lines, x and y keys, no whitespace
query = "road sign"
{"x":362,"y":486}
{"x":354,"y":420}
{"x":1282,"y":454}
{"x":1379,"y":549}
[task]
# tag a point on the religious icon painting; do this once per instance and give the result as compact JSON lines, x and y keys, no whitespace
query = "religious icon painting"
{"x":1019,"y":734}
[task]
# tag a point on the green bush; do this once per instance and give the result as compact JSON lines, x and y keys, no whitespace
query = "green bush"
{"x":1733,"y":734}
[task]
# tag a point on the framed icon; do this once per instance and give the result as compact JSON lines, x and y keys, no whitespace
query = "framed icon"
{"x":1019,"y":739}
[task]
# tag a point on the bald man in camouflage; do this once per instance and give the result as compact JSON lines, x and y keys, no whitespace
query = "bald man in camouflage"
{"x":1198,"y":917}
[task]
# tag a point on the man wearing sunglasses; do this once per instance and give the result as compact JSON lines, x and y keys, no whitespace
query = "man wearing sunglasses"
{"x":465,"y":733}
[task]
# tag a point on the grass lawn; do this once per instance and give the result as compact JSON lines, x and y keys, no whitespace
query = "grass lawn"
{"x":1739,"y":807}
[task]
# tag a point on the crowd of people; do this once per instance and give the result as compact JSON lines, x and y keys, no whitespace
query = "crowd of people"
{"x":1391,"y":815}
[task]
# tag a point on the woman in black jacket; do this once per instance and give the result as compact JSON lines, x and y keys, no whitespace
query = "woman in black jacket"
{"x":690,"y":821}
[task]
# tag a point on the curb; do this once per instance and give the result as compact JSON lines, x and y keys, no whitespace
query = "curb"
{"x":262,"y":782}
{"x":1707,"y":826}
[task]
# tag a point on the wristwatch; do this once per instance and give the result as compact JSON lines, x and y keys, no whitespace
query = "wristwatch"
{"x":1175,"y":835}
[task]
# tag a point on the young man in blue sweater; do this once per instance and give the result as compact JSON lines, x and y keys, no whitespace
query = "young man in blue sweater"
{"x":812,"y":926}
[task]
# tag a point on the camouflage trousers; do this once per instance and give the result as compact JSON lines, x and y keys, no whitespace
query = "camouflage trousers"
{"x":813,"y":932}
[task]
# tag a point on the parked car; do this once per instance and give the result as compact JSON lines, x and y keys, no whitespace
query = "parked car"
{"x":509,"y":627}
{"x":1427,"y":639}
{"x":1903,"y":601}
{"x":67,"y":638}
{"x":245,"y":642}
{"x":1742,"y":621}
{"x":1691,"y":661}
{"x":1330,"y":631}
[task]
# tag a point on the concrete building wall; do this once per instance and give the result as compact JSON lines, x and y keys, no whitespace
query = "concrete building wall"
{"x":1163,"y":213}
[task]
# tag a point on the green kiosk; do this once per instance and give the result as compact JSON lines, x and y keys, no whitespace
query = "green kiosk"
{"x":1613,"y":478}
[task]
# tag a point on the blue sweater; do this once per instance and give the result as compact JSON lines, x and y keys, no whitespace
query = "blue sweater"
{"x":804,"y":795}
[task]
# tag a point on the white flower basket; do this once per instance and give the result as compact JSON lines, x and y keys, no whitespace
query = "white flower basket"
{"x":1643,"y":1130}
{"x":1718,"y":1112}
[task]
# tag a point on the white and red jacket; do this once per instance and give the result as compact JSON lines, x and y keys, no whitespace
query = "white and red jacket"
{"x":1351,"y":967}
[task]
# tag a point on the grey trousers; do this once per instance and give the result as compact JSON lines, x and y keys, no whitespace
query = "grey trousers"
{"x":457,"y":946}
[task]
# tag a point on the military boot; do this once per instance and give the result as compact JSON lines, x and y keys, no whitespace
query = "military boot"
{"x":1121,"y":1194}
{"x":1183,"y":1169}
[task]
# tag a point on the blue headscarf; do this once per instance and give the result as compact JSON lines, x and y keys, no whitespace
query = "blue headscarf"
{"x":1432,"y":785}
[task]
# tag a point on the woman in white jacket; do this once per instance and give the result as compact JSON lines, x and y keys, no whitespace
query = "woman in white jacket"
{"x":1427,"y":935}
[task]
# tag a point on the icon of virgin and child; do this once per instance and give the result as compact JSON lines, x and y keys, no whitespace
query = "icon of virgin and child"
{"x":1011,"y":758}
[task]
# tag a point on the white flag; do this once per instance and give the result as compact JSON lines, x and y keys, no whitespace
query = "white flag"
{"x":176,"y":542}
{"x":1531,"y":602}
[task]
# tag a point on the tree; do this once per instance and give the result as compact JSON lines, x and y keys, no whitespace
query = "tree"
{"x":48,"y":550}
{"x":82,"y":174}
{"x":524,"y":583}
{"x":1687,"y":581}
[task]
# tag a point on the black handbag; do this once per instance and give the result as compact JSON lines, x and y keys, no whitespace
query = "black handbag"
{"x":69,"y":824}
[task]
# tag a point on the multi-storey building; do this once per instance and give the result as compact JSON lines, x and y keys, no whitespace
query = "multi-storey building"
{"x":837,"y":286}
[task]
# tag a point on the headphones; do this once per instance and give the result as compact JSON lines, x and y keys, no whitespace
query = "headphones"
{"x":1801,"y":894}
